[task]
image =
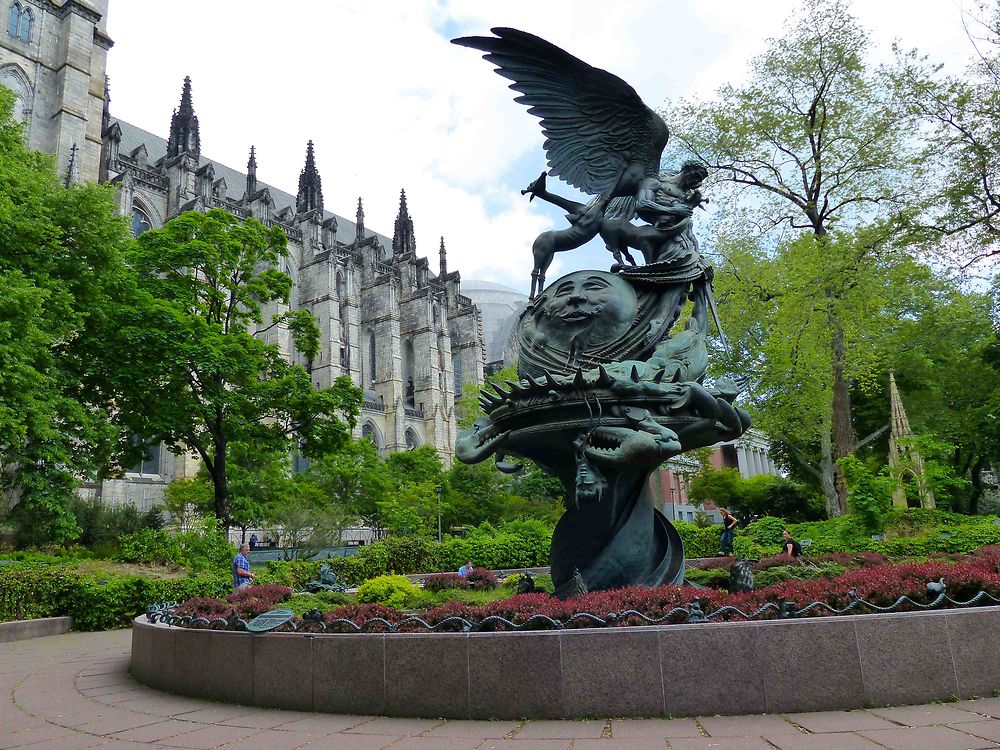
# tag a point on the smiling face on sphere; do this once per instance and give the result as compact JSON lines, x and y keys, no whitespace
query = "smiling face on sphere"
{"x":586,"y":309}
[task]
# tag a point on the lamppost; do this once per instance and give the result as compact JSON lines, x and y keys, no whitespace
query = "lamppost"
{"x":437,"y":489}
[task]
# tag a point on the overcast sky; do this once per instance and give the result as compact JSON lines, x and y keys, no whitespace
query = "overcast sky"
{"x":391,"y":104}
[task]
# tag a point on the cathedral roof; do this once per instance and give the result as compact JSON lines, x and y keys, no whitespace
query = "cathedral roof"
{"x":236,"y":181}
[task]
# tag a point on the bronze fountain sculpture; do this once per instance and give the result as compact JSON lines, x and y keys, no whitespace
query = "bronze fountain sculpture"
{"x":608,"y":390}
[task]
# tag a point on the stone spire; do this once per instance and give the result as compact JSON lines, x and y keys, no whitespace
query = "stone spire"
{"x":73,"y":168}
{"x":403,"y":240}
{"x":252,"y":173}
{"x":184,"y":135}
{"x":310,"y":195}
{"x":443,"y":255}
{"x":903,"y":455}
{"x":106,"y":109}
{"x":359,"y":221}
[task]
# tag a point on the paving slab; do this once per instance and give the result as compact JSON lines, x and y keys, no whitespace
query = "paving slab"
{"x":393,"y":726}
{"x":926,"y":738}
{"x":989,"y":729}
{"x":720,"y":743}
{"x":839,"y":721}
{"x":319,"y":723}
{"x":353,"y":742}
{"x":437,"y":743}
{"x":550,"y":730}
{"x":746,"y":726}
{"x":654,"y":728}
{"x":528,"y":744}
{"x":210,"y":737}
{"x":636,"y":743}
{"x":829,"y":741}
{"x":921,"y":716}
{"x":985,"y":706}
{"x":270,"y":739}
{"x":482,"y":729}
{"x":161,"y":730}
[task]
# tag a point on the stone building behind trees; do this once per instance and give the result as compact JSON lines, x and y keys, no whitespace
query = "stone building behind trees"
{"x":403,"y":332}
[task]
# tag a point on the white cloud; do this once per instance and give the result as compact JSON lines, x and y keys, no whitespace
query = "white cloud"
{"x":391,"y":104}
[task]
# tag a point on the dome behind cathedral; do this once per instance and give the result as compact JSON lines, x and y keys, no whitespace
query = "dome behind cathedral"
{"x":500,"y":305}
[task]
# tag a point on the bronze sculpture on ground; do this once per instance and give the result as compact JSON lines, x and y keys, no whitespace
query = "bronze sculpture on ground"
{"x":607,"y":391}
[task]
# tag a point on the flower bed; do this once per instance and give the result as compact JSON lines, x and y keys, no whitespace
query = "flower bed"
{"x":879,"y":585}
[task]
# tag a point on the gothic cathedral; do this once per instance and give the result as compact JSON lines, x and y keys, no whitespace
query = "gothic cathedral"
{"x":406,"y":336}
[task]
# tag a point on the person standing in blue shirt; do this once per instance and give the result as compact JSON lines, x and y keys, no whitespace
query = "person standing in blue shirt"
{"x":242,"y":575}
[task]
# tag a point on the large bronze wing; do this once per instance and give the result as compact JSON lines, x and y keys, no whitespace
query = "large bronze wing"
{"x":595,"y":125}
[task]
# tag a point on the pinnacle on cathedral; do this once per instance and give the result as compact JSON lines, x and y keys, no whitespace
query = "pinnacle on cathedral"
{"x":251,"y":173}
{"x":310,"y":195}
{"x":359,"y":221}
{"x":184,"y":135}
{"x":403,"y":240}
{"x":443,"y":256}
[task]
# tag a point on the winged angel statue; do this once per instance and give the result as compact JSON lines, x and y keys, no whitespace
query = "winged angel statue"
{"x":603,"y":140}
{"x":606,"y":390}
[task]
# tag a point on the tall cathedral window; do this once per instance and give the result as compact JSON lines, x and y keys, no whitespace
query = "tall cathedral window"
{"x":19,"y":22}
{"x":140,"y":222}
{"x":371,"y":358}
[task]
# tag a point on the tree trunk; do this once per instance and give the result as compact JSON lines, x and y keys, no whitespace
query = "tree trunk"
{"x":977,"y":485}
{"x":827,"y":477}
{"x":844,"y":439}
{"x":221,"y":486}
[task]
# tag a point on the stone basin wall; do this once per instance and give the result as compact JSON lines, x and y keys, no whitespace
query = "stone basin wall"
{"x":813,"y":664}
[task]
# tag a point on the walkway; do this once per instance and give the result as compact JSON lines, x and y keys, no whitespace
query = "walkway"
{"x":71,"y":692}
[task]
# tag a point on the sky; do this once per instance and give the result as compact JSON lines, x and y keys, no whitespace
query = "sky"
{"x":391,"y":104}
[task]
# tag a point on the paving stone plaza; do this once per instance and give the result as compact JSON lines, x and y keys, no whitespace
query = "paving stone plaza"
{"x":73,"y":691}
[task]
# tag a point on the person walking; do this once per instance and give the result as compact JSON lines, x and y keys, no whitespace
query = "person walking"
{"x":242,"y":575}
{"x":729,"y":522}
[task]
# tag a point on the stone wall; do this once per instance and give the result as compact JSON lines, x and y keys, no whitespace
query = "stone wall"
{"x":814,"y":664}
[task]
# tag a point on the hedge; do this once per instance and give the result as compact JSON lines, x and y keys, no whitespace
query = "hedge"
{"x":517,"y":544}
{"x":30,"y":591}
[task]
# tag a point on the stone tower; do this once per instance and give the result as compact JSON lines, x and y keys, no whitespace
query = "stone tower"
{"x":53,"y":56}
{"x":904,"y":458}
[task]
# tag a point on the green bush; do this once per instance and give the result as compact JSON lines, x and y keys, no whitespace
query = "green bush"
{"x":698,"y":541}
{"x":204,"y":549}
{"x":292,"y":573}
{"x":391,"y":591}
{"x":782,"y":573}
{"x":323,"y":601}
{"x":32,"y":591}
{"x":716,"y":578}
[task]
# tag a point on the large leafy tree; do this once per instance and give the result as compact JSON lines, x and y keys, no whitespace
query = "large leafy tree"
{"x":197,"y":378}
{"x":785,"y":309}
{"x":60,"y":271}
{"x":962,"y":115}
{"x":814,"y":140}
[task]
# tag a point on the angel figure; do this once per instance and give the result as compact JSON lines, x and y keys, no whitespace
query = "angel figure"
{"x":599,"y":135}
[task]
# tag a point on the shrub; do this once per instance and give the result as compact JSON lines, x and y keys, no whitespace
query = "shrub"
{"x":445,"y":581}
{"x":323,"y":601}
{"x":391,"y":591}
{"x":716,"y":578}
{"x":543,"y":582}
{"x":698,"y":542}
{"x":481,"y":579}
{"x":205,"y":549}
{"x":32,"y":591}
{"x":292,"y":573}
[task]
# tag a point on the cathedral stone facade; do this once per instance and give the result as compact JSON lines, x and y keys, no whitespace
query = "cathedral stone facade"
{"x":406,"y":335}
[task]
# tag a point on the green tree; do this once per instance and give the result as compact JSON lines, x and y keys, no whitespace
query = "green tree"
{"x":814,"y":139}
{"x":357,"y":479}
{"x":197,"y":378}
{"x":60,"y":272}
{"x":780,"y":307}
{"x":724,"y":487}
{"x":961,"y":214}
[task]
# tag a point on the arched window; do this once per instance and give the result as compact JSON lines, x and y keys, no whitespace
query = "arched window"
{"x":140,"y":222}
{"x":412,"y":441}
{"x":372,"y":371}
{"x":456,"y":365}
{"x":24,"y":32}
{"x":13,"y":78}
{"x":371,"y":432}
{"x":408,"y":379}
{"x":15,"y":19}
